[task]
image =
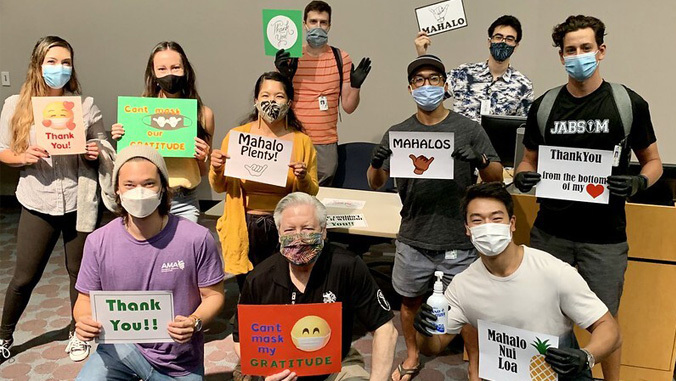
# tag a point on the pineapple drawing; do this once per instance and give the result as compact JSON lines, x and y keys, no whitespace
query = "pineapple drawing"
{"x":539,"y":369}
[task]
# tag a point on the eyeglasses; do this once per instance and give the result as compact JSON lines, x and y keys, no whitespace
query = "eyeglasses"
{"x":434,"y":80}
{"x":510,"y":40}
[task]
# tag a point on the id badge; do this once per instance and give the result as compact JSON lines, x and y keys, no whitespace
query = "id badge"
{"x":485,"y":107}
{"x":617,"y":154}
{"x":323,"y":103}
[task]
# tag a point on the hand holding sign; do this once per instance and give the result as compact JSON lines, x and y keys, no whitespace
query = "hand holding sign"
{"x":218,"y":159}
{"x":422,"y":42}
{"x":525,"y":181}
{"x":117,"y":131}
{"x":286,"y":375}
{"x":181,"y":329}
{"x":86,"y":328}
{"x":566,"y":361}
{"x":33,"y":154}
{"x":286,"y":65}
{"x":421,"y":163}
{"x":627,"y":185}
{"x":92,"y":150}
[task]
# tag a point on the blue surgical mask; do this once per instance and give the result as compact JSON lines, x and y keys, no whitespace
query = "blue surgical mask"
{"x":317,"y":37}
{"x":428,"y":98}
{"x":56,"y":76}
{"x":501,"y":51}
{"x":581,"y":66}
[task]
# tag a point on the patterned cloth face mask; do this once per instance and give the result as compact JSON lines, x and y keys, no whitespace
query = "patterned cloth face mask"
{"x":272,"y":111}
{"x":301,"y":249}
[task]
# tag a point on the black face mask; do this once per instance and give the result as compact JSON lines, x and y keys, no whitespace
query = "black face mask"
{"x":172,"y":84}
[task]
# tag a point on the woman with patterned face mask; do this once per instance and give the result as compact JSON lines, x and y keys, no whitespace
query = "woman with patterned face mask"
{"x":170,"y":75}
{"x":50,"y":187}
{"x":246,"y":229}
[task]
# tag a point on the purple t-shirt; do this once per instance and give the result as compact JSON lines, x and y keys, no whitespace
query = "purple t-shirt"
{"x":181,"y":258}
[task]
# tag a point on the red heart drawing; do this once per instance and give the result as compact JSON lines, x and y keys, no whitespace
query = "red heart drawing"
{"x":595,"y":190}
{"x":68,"y":105}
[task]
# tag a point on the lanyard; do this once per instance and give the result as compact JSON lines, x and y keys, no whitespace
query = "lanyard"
{"x":293,"y":297}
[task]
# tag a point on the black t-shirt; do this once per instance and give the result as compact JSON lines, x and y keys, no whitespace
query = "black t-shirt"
{"x":603,"y":129}
{"x":337,"y":276}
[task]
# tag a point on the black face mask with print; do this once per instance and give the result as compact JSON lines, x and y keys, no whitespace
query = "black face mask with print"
{"x":172,"y":84}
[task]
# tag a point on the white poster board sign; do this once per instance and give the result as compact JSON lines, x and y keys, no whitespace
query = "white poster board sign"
{"x":133,"y":316}
{"x":345,"y":221}
{"x":421,"y":155}
{"x":441,"y":17}
{"x":512,"y":354}
{"x":258,"y":158}
{"x":342,"y":203}
{"x":575,"y":174}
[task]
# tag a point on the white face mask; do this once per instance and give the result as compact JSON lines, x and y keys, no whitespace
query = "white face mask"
{"x":140,"y":202}
{"x":491,"y":239}
{"x":311,"y":344}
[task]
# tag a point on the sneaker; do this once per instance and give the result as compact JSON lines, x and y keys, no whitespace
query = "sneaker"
{"x":4,"y":348}
{"x":77,"y":349}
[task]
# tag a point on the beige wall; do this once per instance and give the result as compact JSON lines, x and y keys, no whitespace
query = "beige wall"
{"x":223,"y":39}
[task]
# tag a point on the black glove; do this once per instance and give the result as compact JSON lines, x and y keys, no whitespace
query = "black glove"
{"x":467,"y":153}
{"x":286,"y":65}
{"x":627,"y":185}
{"x":525,"y":181}
{"x":424,"y":320}
{"x":567,"y":361}
{"x":380,"y":153}
{"x":358,"y":75}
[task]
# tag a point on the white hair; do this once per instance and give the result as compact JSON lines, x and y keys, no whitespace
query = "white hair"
{"x":300,"y":198}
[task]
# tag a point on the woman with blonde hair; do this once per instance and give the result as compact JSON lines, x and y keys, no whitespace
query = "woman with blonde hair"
{"x":58,"y":194}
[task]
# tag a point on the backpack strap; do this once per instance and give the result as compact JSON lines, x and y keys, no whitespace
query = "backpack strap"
{"x":545,"y":108}
{"x":623,"y":103}
{"x":339,"y":63}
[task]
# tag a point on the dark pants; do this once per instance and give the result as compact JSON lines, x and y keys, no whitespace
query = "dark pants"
{"x":263,"y":240}
{"x":36,"y":237}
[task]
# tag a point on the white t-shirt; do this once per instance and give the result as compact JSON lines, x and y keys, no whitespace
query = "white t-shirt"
{"x":544,"y":295}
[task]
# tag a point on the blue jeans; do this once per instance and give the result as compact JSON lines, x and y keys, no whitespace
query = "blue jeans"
{"x":184,"y":204}
{"x":125,"y":362}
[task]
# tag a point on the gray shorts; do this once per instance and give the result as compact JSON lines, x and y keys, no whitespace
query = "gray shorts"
{"x":414,"y":268}
{"x":601,"y":265}
{"x":327,"y":163}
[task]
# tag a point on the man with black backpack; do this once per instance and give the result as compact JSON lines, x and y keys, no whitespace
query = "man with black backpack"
{"x":322,"y":78}
{"x":590,"y":113}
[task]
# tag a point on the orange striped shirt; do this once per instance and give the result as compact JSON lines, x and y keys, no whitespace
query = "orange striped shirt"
{"x":315,"y":77}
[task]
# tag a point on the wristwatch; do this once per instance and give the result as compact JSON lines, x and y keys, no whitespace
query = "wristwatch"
{"x":198,"y":325}
{"x":590,"y":358}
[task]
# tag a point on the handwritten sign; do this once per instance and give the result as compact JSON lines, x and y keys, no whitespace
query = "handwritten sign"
{"x":441,"y":17}
{"x":59,"y":125}
{"x":169,"y":125}
{"x":575,"y":174}
{"x":345,"y":221}
{"x":133,"y":316}
{"x":283,"y":29}
{"x":343,"y":203}
{"x":257,"y":158}
{"x":421,"y":155}
{"x":512,"y":354}
{"x":305,"y":338}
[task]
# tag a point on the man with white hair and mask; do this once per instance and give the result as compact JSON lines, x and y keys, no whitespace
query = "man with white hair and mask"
{"x":308,"y":271}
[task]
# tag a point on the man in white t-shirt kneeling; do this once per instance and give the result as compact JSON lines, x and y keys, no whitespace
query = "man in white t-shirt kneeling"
{"x":520,"y":287}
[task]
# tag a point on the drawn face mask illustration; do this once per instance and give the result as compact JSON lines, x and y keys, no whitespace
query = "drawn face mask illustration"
{"x":272,"y":111}
{"x":310,"y":333}
{"x":166,"y":121}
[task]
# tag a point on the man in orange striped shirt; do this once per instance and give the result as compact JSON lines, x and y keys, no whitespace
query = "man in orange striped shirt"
{"x":318,"y":87}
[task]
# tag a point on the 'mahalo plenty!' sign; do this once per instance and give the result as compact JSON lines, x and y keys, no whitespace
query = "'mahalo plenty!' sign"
{"x":258,"y":158}
{"x":441,"y":17}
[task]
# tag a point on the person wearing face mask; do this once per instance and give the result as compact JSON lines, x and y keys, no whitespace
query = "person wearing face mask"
{"x":246,"y":229}
{"x":130,"y":253}
{"x":492,"y":87}
{"x":59,"y":195}
{"x":323,"y":77}
{"x":520,"y":287}
{"x":310,"y":270}
{"x":169,"y":74}
{"x":589,"y":112}
{"x":431,"y":235}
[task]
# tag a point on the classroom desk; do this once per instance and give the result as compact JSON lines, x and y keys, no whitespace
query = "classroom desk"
{"x":381,"y":211}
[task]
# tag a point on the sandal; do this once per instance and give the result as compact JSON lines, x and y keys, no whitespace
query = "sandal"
{"x":408,"y":371}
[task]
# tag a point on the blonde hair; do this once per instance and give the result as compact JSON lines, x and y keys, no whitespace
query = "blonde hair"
{"x":35,"y":86}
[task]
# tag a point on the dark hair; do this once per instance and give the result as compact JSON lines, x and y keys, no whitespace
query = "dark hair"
{"x":506,"y":20}
{"x":291,"y":119}
{"x":495,"y":190}
{"x":165,"y":203}
{"x":578,"y":22}
{"x":152,"y":88}
{"x":317,"y":6}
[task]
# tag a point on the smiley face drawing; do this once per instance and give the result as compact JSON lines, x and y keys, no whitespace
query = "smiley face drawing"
{"x":310,"y":333}
{"x":59,"y":115}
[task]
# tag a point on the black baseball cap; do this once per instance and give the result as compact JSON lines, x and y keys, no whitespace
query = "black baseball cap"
{"x":425,"y":60}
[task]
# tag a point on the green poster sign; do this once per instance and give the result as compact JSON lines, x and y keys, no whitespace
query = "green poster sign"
{"x":166,"y":124}
{"x":283,"y":29}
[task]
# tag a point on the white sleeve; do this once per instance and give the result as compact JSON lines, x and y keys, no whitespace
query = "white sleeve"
{"x":93,"y":119}
{"x":578,"y":301}
{"x":456,"y":318}
{"x":6,"y":115}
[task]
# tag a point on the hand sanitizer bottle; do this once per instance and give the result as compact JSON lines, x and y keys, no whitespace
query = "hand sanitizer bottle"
{"x":439,"y":304}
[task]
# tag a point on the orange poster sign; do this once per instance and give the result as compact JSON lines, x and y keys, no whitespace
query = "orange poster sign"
{"x":305,"y":338}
